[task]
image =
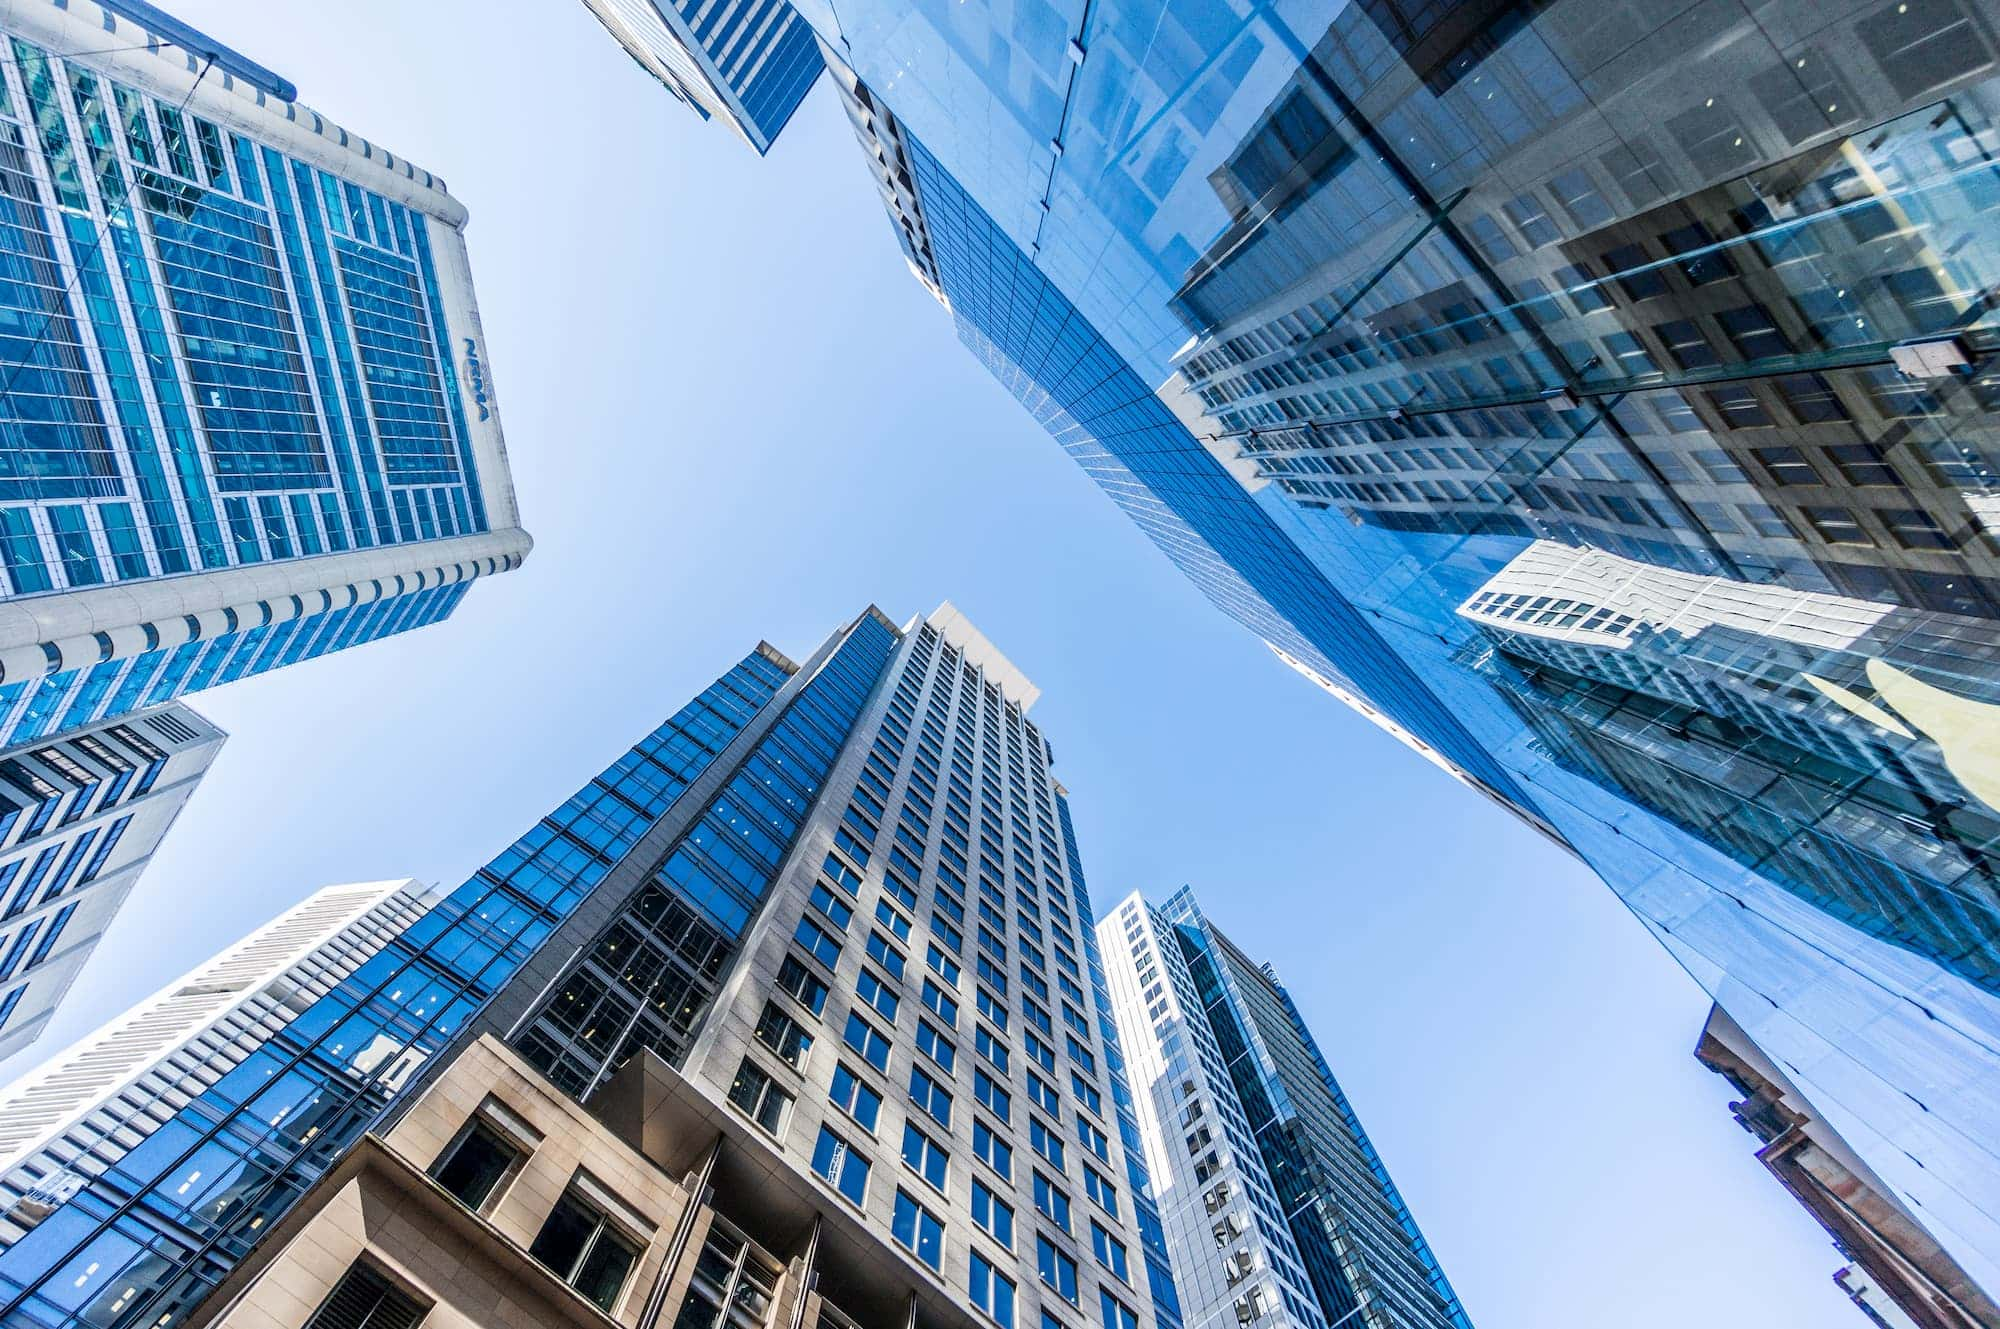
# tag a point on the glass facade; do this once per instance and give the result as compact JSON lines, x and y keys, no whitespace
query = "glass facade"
{"x":1599,"y":397}
{"x":144,"y":1241}
{"x":220,"y":350}
{"x":748,"y":62}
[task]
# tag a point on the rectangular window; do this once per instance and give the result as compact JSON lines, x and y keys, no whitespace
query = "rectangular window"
{"x":1116,"y":1314}
{"x":1100,"y":1189}
{"x":778,"y":1031}
{"x":364,"y":1299}
{"x":940,"y":1005}
{"x":580,"y":1246}
{"x":991,"y":1096}
{"x":759,"y":1095}
{"x":852,"y":1095}
{"x":1045,"y":1140}
{"x":1110,"y":1251}
{"x":473,"y":1166}
{"x":868,"y":1041}
{"x":818,"y":942}
{"x":991,"y":1048}
{"x":924,"y":1156}
{"x":879,"y":994}
{"x":918,"y":1230}
{"x":885,"y":954}
{"x":1051,"y":1202}
{"x":837,"y":1163}
{"x":803,"y":984}
{"x":993,"y":1292}
{"x":1058,"y":1271}
{"x":930,"y":1096}
{"x":992,"y":1149}
{"x":993,"y":1214}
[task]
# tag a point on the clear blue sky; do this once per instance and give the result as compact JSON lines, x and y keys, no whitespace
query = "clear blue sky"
{"x":732,"y":414}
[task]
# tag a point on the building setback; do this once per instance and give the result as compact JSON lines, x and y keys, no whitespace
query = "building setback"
{"x":1363,"y":313}
{"x":1277,"y":1207}
{"x":80,"y":817}
{"x":250,"y":418}
{"x":831,"y":911}
{"x":81,"y":1111}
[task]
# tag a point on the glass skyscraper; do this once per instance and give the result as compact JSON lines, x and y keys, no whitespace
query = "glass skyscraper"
{"x":840,"y":899}
{"x":1276,"y":1205}
{"x":748,"y":63}
{"x":1599,"y":395}
{"x":247,"y":418}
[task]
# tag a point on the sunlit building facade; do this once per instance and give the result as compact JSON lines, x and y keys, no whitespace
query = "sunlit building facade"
{"x":1277,"y":1207}
{"x":828,"y":926}
{"x":247,"y":418}
{"x":1366,"y":312}
{"x":81,"y":816}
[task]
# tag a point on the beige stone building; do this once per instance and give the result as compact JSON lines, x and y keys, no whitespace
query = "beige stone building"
{"x":498,"y":1201}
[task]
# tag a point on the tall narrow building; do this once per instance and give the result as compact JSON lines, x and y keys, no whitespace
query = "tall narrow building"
{"x":248,"y":416}
{"x":1365,"y":312}
{"x":80,"y":818}
{"x":748,"y":63}
{"x":1277,"y":1207}
{"x":810,"y":970}
{"x":81,"y":1111}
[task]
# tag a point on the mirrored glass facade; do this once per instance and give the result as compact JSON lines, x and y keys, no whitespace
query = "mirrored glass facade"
{"x":1598,"y":394}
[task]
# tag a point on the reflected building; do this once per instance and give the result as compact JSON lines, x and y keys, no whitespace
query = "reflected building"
{"x":826,"y":929}
{"x":1351,"y":307}
{"x":249,"y":419}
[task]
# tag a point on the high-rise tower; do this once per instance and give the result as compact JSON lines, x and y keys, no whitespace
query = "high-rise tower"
{"x":831,"y":914}
{"x":1277,"y":1207}
{"x":245,"y":412}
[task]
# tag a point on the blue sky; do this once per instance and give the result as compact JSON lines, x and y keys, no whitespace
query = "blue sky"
{"x":733,"y":415}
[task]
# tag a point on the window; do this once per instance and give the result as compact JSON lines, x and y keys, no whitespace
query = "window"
{"x":929,"y":1095}
{"x":878,"y":994}
{"x":945,"y":967}
{"x":1043,"y":1095}
{"x":1086,"y":1093}
{"x":918,"y":1230}
{"x":364,"y":1299}
{"x":1045,"y":1140}
{"x":803,"y":984}
{"x":924,"y":1156}
{"x":1100,"y":1189}
{"x":892,"y":920}
{"x":1093,"y":1139}
{"x":940,"y":1005}
{"x":1039,"y":1052}
{"x":992,"y":1009}
{"x":778,"y":1031}
{"x":1915,"y":529}
{"x":580,"y":1246}
{"x":819,"y":943}
{"x":1116,"y":1314}
{"x":835,"y":1161}
{"x":1051,"y":1202}
{"x":1837,"y":526}
{"x":868,"y":1041}
{"x":471,"y":1168}
{"x":990,"y":1095}
{"x":991,"y":1149}
{"x":886,"y":955}
{"x":852,"y":1095}
{"x":1110,"y":1251}
{"x":758,"y":1095}
{"x":993,"y":1292}
{"x":1058,"y":1271}
{"x":936,"y":1046}
{"x":831,"y":905}
{"x":991,"y":1048}
{"x":993,"y":1214}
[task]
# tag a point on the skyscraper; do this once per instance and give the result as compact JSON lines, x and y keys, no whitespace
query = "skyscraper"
{"x":1353,"y":309}
{"x":248,"y":418}
{"x":85,"y":1108}
{"x":747,"y":62}
{"x":80,"y":817}
{"x":1276,"y":1205}
{"x":838,"y":907}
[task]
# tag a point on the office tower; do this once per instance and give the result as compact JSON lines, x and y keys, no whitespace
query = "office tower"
{"x":80,"y":817}
{"x":748,"y":63}
{"x":1352,"y":309}
{"x":1276,"y":1205}
{"x":832,"y":913}
{"x":248,"y":416}
{"x":85,"y":1108}
{"x":1894,"y":1258}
